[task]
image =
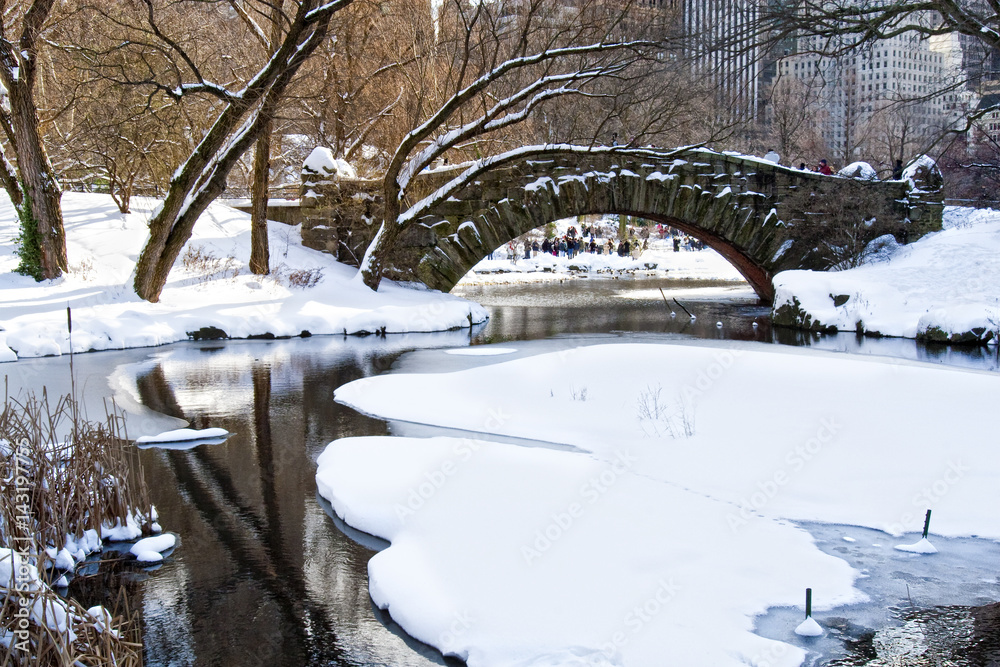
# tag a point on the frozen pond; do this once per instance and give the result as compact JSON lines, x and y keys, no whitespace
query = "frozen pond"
{"x":264,"y":576}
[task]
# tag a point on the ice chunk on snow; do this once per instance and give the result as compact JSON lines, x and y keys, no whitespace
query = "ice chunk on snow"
{"x":809,"y":628}
{"x":921,"y":547}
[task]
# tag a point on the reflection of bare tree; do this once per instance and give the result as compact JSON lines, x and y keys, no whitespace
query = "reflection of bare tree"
{"x":290,"y":626}
{"x":156,"y":393}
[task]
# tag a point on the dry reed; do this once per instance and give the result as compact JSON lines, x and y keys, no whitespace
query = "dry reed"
{"x":63,"y":476}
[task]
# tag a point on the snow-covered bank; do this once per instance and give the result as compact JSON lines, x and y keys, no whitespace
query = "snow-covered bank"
{"x":944,"y":287}
{"x":210,"y":286}
{"x":663,"y":539}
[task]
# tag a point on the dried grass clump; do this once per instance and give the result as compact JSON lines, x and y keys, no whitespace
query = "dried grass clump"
{"x":65,"y":634}
{"x":62,"y":477}
{"x":305,"y":277}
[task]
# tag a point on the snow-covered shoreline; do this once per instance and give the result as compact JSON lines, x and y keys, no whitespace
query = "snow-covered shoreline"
{"x":210,"y":286}
{"x":942,"y":288}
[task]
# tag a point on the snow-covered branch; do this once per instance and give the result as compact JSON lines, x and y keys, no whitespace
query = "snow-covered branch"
{"x":439,"y":119}
{"x":500,"y":115}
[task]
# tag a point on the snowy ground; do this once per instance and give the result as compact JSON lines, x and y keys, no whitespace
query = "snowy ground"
{"x":212,"y":287}
{"x":666,"y":527}
{"x":658,"y":260}
{"x":944,"y":286}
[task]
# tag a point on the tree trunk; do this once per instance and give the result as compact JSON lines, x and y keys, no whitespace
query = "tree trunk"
{"x":42,"y":196}
{"x":202,"y":178}
{"x":260,"y":263}
{"x":374,"y":261}
{"x":169,"y":231}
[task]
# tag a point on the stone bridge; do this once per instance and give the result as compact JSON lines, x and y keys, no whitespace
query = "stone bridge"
{"x":762,"y":217}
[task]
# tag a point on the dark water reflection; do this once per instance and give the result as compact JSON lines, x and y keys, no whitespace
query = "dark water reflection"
{"x":262,"y":575}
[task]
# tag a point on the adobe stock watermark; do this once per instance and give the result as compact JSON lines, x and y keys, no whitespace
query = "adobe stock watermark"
{"x":590,"y":492}
{"x":794,"y":462}
{"x":641,"y":615}
{"x":24,"y":547}
{"x":929,"y":496}
{"x":722,"y":361}
{"x":461,"y":623}
{"x":434,"y":480}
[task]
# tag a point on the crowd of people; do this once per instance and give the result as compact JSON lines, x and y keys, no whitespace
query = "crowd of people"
{"x":574,"y":242}
{"x":598,"y":239}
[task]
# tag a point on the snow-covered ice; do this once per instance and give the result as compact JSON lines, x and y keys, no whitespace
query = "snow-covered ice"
{"x":148,"y":549}
{"x":178,"y":435}
{"x":184,"y":438}
{"x":482,"y":351}
{"x":664,"y":538}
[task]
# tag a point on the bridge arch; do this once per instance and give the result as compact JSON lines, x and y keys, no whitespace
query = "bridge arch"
{"x":749,"y":210}
{"x":469,"y":251}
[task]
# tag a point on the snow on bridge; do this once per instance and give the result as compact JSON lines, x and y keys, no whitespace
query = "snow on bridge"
{"x":762,"y":217}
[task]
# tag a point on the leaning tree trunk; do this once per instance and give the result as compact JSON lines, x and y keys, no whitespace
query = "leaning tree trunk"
{"x":260,"y":263}
{"x":375,"y":260}
{"x":41,"y":206}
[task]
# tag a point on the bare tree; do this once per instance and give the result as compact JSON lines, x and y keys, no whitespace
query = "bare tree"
{"x":793,"y":116}
{"x":268,"y":35}
{"x":509,"y":59}
{"x":244,"y":95}
{"x":358,"y":97}
{"x":29,"y":180}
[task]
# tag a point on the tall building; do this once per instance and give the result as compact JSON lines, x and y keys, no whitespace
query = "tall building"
{"x":721,"y":34}
{"x":913,"y":82}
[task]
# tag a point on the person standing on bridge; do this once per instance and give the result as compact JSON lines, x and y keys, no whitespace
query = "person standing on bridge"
{"x":897,"y":171}
{"x":824,"y":168}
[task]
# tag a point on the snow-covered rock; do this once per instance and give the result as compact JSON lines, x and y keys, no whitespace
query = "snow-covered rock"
{"x":860,"y":170}
{"x":322,"y":162}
